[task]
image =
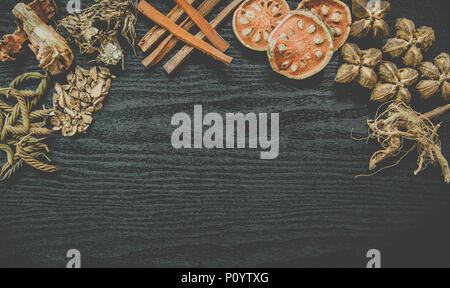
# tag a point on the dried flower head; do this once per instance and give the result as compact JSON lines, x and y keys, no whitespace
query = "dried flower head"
{"x":79,"y":99}
{"x":409,"y":42}
{"x":96,"y":29}
{"x":396,"y":83}
{"x":371,"y":14}
{"x":360,"y":65}
{"x":436,"y":77}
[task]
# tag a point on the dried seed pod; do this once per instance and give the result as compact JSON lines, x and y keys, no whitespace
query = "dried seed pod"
{"x":361,"y":28}
{"x":397,"y":82}
{"x":383,"y":92}
{"x":360,"y":65}
{"x":413,"y":57}
{"x":409,"y":42}
{"x":395,"y":47}
{"x":408,"y":76}
{"x":371,"y":15}
{"x":403,"y":95}
{"x":351,"y":53}
{"x":435,"y":76}
{"x":425,"y":37}
{"x":367,"y":77}
{"x":347,"y":73}
{"x":255,"y":20}
{"x":405,"y":29}
{"x":388,"y":72}
{"x":371,"y":57}
{"x":445,"y":91}
{"x":335,"y":13}
{"x":429,"y":70}
{"x":442,"y":62}
{"x":380,"y":29}
{"x":427,"y":88}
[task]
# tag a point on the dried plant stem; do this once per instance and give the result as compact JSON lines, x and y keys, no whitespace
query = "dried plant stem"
{"x":204,"y":26}
{"x":156,"y":33}
{"x":437,"y":112}
{"x":180,"y":33}
{"x":187,"y":50}
{"x":170,"y":42}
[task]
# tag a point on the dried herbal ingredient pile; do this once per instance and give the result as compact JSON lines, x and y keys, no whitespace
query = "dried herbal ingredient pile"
{"x":83,"y":95}
{"x":97,"y":27}
{"x":398,"y":126}
{"x":23,"y":127}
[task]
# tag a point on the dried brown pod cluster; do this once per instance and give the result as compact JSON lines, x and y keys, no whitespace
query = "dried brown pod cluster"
{"x":50,"y":48}
{"x":97,"y":27}
{"x":13,"y":43}
{"x":409,"y":42}
{"x":371,"y":14}
{"x":79,"y":99}
{"x":396,"y":83}
{"x":399,"y":126}
{"x":436,"y":78}
{"x":23,"y":126}
{"x":359,"y":64}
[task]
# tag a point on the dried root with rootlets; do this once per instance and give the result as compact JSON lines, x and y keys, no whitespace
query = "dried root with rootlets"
{"x":399,"y":126}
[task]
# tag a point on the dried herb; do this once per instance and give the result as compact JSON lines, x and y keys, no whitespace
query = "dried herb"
{"x":165,"y":22}
{"x":97,"y":27}
{"x":359,"y":64}
{"x":409,"y":42}
{"x":436,"y":77}
{"x":171,"y":41}
{"x":399,"y":126}
{"x":13,"y":43}
{"x":204,"y":26}
{"x":21,"y":124}
{"x":371,"y":14}
{"x":187,"y":50}
{"x":79,"y":99}
{"x":50,"y":48}
{"x":396,"y":83}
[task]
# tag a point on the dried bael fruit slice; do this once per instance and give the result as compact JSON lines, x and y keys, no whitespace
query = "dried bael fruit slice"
{"x":300,"y":46}
{"x":254,"y":20}
{"x":336,"y":14}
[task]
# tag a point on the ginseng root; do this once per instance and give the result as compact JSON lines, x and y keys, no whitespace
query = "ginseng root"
{"x":399,"y":126}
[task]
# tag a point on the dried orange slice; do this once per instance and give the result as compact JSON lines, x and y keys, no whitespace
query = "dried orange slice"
{"x":300,"y":46}
{"x":336,"y":14}
{"x":254,"y":20}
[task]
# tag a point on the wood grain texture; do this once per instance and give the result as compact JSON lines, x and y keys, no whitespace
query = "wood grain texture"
{"x":125,"y":197}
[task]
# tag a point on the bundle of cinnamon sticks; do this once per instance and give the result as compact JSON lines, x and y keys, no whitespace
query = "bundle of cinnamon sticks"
{"x":166,"y":26}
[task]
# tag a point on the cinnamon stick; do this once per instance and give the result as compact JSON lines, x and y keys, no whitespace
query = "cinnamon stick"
{"x":204,"y":26}
{"x":164,"y":21}
{"x":156,"y":33}
{"x":170,"y":42}
{"x":187,"y":50}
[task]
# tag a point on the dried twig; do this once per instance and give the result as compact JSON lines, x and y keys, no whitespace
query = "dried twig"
{"x":204,"y":26}
{"x":156,"y":33}
{"x":187,"y":50}
{"x":163,"y":21}
{"x":170,"y":42}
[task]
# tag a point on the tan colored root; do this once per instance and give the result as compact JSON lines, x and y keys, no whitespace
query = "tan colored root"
{"x":400,"y":124}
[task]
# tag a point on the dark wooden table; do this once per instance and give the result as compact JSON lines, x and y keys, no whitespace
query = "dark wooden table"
{"x":126,"y":198}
